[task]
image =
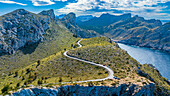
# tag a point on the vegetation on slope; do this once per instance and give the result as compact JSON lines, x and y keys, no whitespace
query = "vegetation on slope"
{"x":53,"y":43}
{"x":162,"y":84}
{"x":99,"y":50}
{"x":44,"y":63}
{"x":53,"y":69}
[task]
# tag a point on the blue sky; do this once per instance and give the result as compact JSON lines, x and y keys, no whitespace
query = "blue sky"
{"x":157,"y":9}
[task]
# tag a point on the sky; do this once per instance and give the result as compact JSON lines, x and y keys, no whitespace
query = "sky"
{"x":149,"y":9}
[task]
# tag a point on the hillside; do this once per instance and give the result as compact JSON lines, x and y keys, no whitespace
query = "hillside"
{"x":124,"y":67}
{"x":21,"y":27}
{"x":99,"y":50}
{"x":140,"y":32}
{"x":131,"y":30}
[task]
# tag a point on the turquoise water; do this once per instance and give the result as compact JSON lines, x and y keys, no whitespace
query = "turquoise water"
{"x":161,"y":60}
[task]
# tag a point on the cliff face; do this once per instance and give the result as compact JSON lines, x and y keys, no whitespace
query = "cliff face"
{"x":122,"y":90}
{"x":70,"y":22}
{"x":141,"y":32}
{"x":21,"y":27}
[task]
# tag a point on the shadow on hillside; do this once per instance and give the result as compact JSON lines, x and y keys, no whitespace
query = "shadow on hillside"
{"x":1,"y":54}
{"x":29,"y":48}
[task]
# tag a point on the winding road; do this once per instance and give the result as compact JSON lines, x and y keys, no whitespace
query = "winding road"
{"x":110,"y":76}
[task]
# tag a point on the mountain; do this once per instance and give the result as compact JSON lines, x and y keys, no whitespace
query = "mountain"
{"x":22,"y":27}
{"x":84,"y":18}
{"x":70,"y":22}
{"x":61,"y":16}
{"x":49,"y":13}
{"x":141,"y":32}
{"x":165,"y":21}
{"x":98,"y":23}
{"x":131,"y":30}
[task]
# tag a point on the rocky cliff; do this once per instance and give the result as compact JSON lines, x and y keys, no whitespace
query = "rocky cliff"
{"x":70,"y":22}
{"x":122,"y":90}
{"x":141,"y":32}
{"x":21,"y":27}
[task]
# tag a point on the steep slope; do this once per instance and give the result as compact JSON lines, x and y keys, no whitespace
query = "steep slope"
{"x":20,"y":28}
{"x":98,"y":23}
{"x":141,"y":32}
{"x":56,"y":39}
{"x":70,"y":22}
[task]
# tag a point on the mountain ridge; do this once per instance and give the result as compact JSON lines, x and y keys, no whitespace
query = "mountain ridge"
{"x":97,"y":24}
{"x":140,"y":32}
{"x":134,"y":30}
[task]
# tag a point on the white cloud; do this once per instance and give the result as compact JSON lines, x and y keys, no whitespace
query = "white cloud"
{"x":133,"y":6}
{"x":11,"y":2}
{"x":61,"y":0}
{"x":42,"y":2}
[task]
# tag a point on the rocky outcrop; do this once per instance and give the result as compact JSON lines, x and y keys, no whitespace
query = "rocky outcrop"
{"x":49,"y":13}
{"x":122,"y":90}
{"x":21,"y":27}
{"x":70,"y":22}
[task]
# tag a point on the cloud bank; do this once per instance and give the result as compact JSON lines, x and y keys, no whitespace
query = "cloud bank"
{"x":11,"y":2}
{"x":97,"y":7}
{"x":42,"y":2}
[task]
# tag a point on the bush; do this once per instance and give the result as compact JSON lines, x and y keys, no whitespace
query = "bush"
{"x":18,"y":84}
{"x":60,"y":80}
{"x":39,"y":82}
{"x":90,"y":84}
{"x":5,"y":89}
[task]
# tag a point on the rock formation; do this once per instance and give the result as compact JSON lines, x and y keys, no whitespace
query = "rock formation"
{"x":122,"y":90}
{"x":70,"y":22}
{"x":21,"y":27}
